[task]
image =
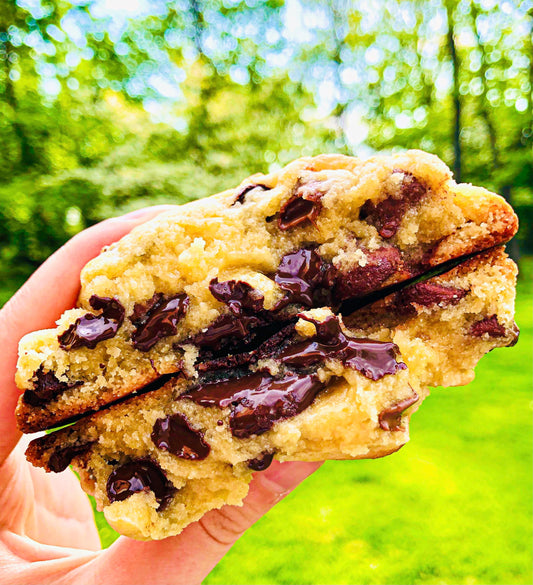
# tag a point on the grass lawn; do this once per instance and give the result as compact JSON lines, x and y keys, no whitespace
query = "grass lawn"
{"x":453,"y":506}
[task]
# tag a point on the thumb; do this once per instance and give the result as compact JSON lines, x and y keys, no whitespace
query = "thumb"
{"x":190,"y":556}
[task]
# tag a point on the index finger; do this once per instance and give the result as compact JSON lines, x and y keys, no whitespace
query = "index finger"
{"x":52,"y":289}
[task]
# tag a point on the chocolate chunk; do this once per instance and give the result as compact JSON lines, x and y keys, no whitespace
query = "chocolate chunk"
{"x":261,"y":463}
{"x":89,"y":330}
{"x":265,"y":341}
{"x":239,"y":198}
{"x":391,"y":418}
{"x":304,"y":205}
{"x":238,"y":295}
{"x":306,"y":277}
{"x":62,"y":458}
{"x":46,"y":387}
{"x":488,"y":325}
{"x":428,"y":294}
{"x":175,"y":435}
{"x":140,"y":475}
{"x":258,"y":400}
{"x":387,"y":215}
{"x":374,"y":359}
{"x":362,"y":280}
{"x":111,"y":308}
{"x":226,"y":329}
{"x":160,"y":319}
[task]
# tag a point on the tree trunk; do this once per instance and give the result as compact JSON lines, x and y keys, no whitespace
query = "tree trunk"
{"x":452,"y":49}
{"x":28,"y":157}
{"x":483,"y":106}
{"x":513,"y":247}
{"x":339,"y":14}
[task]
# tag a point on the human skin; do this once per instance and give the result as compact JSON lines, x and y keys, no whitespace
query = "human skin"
{"x":47,"y":528}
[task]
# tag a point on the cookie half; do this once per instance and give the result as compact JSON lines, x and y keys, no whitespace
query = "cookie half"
{"x":223,"y":275}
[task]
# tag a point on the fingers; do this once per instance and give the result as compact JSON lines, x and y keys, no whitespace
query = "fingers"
{"x":52,"y":289}
{"x":190,"y":556}
{"x":184,"y":559}
{"x":25,"y":562}
{"x":47,"y":507}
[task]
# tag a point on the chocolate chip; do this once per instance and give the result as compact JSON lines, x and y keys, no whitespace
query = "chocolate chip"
{"x":238,"y":295}
{"x":261,"y":344}
{"x":362,"y":280}
{"x":258,"y":400}
{"x":140,"y":475}
{"x":62,"y":458}
{"x":46,"y":387}
{"x":387,"y":215}
{"x":374,"y":359}
{"x":89,"y":330}
{"x":261,"y":463}
{"x":175,"y":435}
{"x":226,"y":329}
{"x":239,"y":198}
{"x":391,"y":418}
{"x":427,"y":294}
{"x":306,"y":278}
{"x":157,"y":319}
{"x":302,"y":207}
{"x":488,"y":325}
{"x":111,"y":307}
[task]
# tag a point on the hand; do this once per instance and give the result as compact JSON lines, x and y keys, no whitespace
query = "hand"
{"x":48,"y":533}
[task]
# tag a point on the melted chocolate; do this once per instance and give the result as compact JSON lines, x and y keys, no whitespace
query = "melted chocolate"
{"x":111,"y":307}
{"x":387,"y":215}
{"x":62,"y":458}
{"x":46,"y":387}
{"x":266,"y":342}
{"x":242,"y":193}
{"x":306,"y":278}
{"x":374,"y":359}
{"x":174,"y":434}
{"x":226,"y":330}
{"x":159,"y":321}
{"x":300,"y":209}
{"x":261,"y":463}
{"x":89,"y":330}
{"x":238,"y":295}
{"x":258,"y":400}
{"x":140,"y":475}
{"x":391,"y":418}
{"x":362,"y":280}
{"x":488,"y":325}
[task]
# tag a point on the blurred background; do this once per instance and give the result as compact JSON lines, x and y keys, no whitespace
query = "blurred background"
{"x":111,"y":105}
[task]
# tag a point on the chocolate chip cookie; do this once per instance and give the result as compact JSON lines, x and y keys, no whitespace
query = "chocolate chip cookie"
{"x":302,"y":316}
